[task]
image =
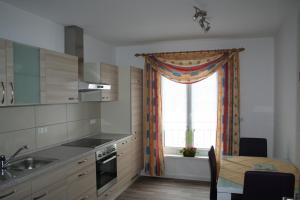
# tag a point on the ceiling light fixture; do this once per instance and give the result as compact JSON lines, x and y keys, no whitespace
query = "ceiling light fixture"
{"x":200,"y":18}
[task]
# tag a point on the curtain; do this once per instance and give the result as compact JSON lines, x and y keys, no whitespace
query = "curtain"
{"x":153,"y":148}
{"x":187,"y":68}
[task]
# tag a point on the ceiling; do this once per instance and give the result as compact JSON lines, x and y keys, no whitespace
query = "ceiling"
{"x":124,"y":22}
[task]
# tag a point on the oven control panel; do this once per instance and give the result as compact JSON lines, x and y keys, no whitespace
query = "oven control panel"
{"x":107,"y":150}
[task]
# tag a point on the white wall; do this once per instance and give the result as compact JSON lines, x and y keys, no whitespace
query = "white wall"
{"x":286,"y":129}
{"x":24,"y":27}
{"x":257,"y":72}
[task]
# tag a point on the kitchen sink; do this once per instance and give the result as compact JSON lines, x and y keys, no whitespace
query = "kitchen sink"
{"x":23,"y":166}
{"x":28,"y":163}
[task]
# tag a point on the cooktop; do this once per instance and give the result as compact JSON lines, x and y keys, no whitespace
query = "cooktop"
{"x":88,"y":142}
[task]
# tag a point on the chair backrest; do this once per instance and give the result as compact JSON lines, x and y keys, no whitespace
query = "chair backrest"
{"x":259,"y":185}
{"x":253,"y":147}
{"x":213,"y":173}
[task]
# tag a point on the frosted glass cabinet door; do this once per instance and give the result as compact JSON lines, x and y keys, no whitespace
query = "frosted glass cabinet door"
{"x":26,"y":69}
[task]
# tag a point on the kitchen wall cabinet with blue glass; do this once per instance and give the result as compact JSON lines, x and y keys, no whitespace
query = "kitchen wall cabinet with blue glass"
{"x":30,"y":75}
{"x":19,"y":72}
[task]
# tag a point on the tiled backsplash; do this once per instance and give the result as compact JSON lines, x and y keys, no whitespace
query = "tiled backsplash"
{"x":45,"y":125}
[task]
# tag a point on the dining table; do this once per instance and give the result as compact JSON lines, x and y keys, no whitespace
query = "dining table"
{"x":233,"y":168}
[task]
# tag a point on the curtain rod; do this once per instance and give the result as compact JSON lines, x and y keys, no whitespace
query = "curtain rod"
{"x":201,"y":51}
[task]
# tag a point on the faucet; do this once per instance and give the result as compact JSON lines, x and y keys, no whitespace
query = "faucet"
{"x":4,"y":162}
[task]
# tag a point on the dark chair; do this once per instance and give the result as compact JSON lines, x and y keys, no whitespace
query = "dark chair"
{"x":259,"y":185}
{"x":253,"y":147}
{"x":213,"y":173}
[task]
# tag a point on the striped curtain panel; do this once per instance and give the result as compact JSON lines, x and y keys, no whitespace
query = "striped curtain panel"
{"x":153,"y":148}
{"x":187,"y":68}
{"x":228,"y":128}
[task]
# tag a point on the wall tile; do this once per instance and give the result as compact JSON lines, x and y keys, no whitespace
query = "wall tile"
{"x":16,"y":118}
{"x":11,"y":141}
{"x":78,"y":129}
{"x":50,"y":114}
{"x":82,"y":111}
{"x":49,"y":135}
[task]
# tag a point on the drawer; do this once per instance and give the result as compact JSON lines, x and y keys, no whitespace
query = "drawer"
{"x":82,"y":181}
{"x":17,"y":192}
{"x":57,"y":191}
{"x":89,"y":195}
{"x":82,"y":163}
{"x":49,"y":178}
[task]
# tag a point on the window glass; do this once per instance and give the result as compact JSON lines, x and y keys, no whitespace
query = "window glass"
{"x":204,"y":111}
{"x":174,"y":108}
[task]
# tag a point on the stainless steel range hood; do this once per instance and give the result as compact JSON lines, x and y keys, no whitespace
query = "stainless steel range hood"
{"x":88,"y":73}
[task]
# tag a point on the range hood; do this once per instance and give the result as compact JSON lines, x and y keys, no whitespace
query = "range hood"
{"x":88,"y":73}
{"x":91,"y":77}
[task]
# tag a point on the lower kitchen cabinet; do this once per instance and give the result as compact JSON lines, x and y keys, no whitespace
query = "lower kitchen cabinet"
{"x":81,"y":182}
{"x":55,"y":191}
{"x":18,"y":192}
{"x":89,"y":195}
{"x":73,"y":181}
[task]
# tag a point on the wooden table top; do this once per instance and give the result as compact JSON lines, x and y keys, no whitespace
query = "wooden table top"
{"x":233,"y":169}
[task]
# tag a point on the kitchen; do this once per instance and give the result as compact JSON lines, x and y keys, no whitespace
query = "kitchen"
{"x":77,"y":168}
{"x":71,"y":93}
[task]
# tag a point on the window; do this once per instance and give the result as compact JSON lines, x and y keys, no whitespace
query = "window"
{"x":191,"y":106}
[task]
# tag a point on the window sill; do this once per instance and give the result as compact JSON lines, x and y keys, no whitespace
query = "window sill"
{"x":182,"y":157}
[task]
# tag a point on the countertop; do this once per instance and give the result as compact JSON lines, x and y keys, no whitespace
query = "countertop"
{"x":62,"y":156}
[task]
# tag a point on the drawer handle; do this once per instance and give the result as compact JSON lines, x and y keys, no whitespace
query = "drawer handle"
{"x":41,"y":196}
{"x":8,"y":194}
{"x":82,"y":174}
{"x":12,"y":93}
{"x":82,"y":161}
{"x":84,"y":198}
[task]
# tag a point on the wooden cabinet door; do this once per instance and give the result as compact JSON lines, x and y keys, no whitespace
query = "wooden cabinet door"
{"x":109,"y":74}
{"x":136,"y":88}
{"x":59,"y":77}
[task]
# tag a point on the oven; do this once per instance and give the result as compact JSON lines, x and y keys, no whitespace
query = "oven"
{"x":106,"y":168}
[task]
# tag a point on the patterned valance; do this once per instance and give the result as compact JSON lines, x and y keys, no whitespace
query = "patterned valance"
{"x":187,"y":68}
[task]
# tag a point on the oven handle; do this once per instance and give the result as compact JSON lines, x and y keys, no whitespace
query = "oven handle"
{"x":106,"y":161}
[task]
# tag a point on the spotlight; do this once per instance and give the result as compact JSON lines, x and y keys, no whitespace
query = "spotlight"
{"x":200,"y":17}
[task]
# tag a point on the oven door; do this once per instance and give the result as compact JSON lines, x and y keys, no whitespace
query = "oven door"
{"x":106,"y":169}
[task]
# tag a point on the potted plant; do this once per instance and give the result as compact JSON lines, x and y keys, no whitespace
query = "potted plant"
{"x":189,"y":150}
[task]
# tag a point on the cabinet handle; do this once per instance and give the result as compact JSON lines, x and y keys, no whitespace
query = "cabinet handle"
{"x":8,"y":194}
{"x":12,"y":93}
{"x":3,"y":92}
{"x":84,"y":198}
{"x":82,"y":161}
{"x":82,"y":174}
{"x":41,"y":196}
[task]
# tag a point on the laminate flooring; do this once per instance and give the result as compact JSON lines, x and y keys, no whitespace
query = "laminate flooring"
{"x":148,"y":188}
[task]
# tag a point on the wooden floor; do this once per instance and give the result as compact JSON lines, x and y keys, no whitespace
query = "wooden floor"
{"x":146,"y":188}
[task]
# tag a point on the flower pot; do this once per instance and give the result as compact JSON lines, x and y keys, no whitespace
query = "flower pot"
{"x":189,"y":154}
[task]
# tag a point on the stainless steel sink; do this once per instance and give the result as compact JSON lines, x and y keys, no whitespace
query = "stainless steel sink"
{"x":28,"y":163}
{"x":23,"y":166}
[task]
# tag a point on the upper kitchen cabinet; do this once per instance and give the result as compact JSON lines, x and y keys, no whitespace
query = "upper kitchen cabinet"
{"x":19,"y":74}
{"x":2,"y":73}
{"x":59,"y":77}
{"x":109,"y":74}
